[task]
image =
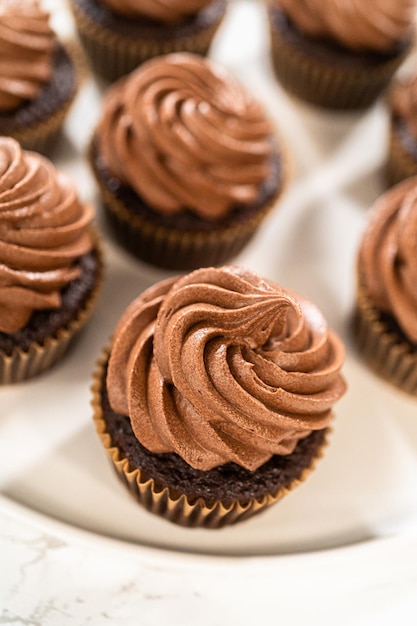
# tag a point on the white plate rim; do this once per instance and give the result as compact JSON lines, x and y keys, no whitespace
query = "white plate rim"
{"x":363,"y":553}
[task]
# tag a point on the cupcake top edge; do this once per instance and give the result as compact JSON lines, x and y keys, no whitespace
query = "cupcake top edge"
{"x":27,"y":46}
{"x":402,"y":100}
{"x":184,"y":134}
{"x":44,"y":230}
{"x":222,"y":366}
{"x":157,"y":10}
{"x":355,"y":25}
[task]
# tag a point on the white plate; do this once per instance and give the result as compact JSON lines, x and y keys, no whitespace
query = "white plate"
{"x":51,"y":460}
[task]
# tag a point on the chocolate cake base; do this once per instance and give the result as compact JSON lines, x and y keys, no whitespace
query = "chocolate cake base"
{"x":47,"y":335}
{"x":183,"y":241}
{"x":227,"y":483}
{"x":323,"y":73}
{"x":116,"y":45}
{"x":149,"y":29}
{"x":402,"y":153}
{"x":35,"y":123}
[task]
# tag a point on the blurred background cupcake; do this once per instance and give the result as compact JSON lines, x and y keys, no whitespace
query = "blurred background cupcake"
{"x":118,"y":35}
{"x":38,"y":80}
{"x":216,"y":397}
{"x":339,"y":54}
{"x":187,"y":163}
{"x":386,"y":302}
{"x":402,"y":152}
{"x":50,"y":263}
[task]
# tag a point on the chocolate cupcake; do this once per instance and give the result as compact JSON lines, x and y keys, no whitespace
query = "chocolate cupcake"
{"x":119,"y":35}
{"x":339,"y":54}
{"x":50,"y":263}
{"x":186,"y":161}
{"x":386,"y":303}
{"x":215,"y":397}
{"x":402,"y":148}
{"x":37,"y":76}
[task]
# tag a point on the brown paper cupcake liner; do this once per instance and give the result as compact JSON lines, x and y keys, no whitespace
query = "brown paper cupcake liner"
{"x":112,"y":54}
{"x":384,"y":350}
{"x":325,"y":83}
{"x":183,"y":249}
{"x":21,"y":364}
{"x":400,"y":163}
{"x":166,"y":502}
{"x":177,"y":250}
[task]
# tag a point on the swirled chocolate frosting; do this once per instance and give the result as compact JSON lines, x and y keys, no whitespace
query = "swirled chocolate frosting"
{"x":185,"y":135}
{"x":223,"y":366}
{"x":378,"y":25}
{"x":26,"y":52}
{"x":388,"y":258}
{"x":158,"y":10}
{"x":43,"y":231}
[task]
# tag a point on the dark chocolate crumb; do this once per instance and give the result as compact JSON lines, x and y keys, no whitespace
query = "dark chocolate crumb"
{"x":228,"y":482}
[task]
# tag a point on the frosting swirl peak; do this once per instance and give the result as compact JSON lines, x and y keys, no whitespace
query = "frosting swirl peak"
{"x":43,"y":231}
{"x":26,"y":52}
{"x":378,"y":25}
{"x":224,"y":366}
{"x":185,"y":135}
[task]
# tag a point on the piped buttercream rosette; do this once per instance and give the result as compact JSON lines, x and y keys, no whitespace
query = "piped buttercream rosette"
{"x":223,"y":366}
{"x":386,"y":299}
{"x":377,"y":25}
{"x":50,"y":262}
{"x":208,"y":143}
{"x":44,"y":229}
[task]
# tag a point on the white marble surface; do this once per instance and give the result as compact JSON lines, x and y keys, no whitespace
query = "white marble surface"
{"x":55,"y":575}
{"x":343,"y":548}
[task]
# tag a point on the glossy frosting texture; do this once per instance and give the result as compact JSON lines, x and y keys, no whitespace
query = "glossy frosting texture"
{"x":388,"y":257}
{"x":26,"y":52}
{"x":43,"y":231}
{"x":222,"y":366}
{"x":355,"y":24}
{"x":403,"y":101}
{"x":185,"y":135}
{"x":158,"y":10}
